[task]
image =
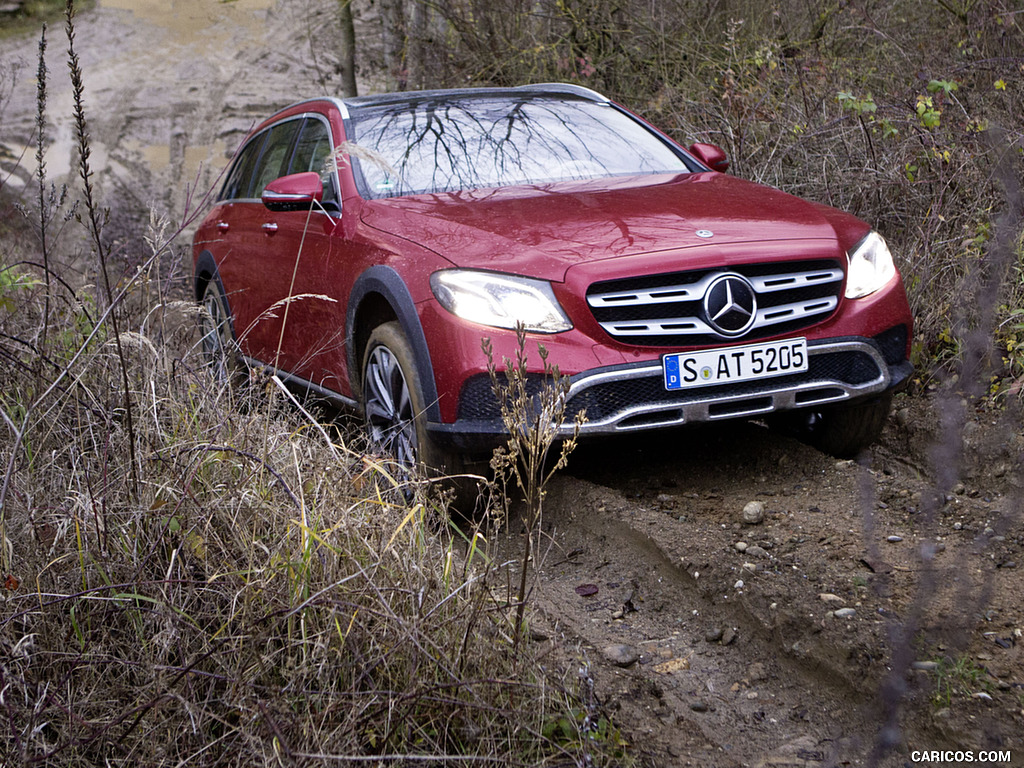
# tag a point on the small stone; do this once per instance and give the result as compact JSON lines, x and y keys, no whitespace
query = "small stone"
{"x":621,"y":655}
{"x":753,"y":512}
{"x":756,"y":551}
{"x":903,"y":416}
{"x":713,"y":635}
{"x":959,"y":489}
{"x":750,"y":567}
{"x":845,"y":613}
{"x":756,"y":672}
{"x":894,"y":539}
{"x":740,"y":546}
{"x":1008,"y":564}
{"x":699,"y":706}
{"x":828,"y":597}
{"x":666,"y":500}
{"x":738,"y":584}
{"x":925,"y":666}
{"x":617,"y":615}
{"x":729,"y":636}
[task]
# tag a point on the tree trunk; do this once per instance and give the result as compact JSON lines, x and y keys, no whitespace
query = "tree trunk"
{"x":418,"y":45}
{"x":392,"y":16}
{"x":347,"y":64}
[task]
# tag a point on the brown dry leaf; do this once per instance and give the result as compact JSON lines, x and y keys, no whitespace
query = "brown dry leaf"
{"x":673,"y":665}
{"x":11,"y":582}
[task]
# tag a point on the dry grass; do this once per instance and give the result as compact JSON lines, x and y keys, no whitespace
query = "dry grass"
{"x":195,"y":575}
{"x":265,"y":597}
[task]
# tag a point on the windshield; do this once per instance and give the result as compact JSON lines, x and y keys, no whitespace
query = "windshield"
{"x":473,"y":143}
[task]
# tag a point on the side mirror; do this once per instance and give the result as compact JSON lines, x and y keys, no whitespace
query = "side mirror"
{"x":297,"y":192}
{"x":713,"y":157}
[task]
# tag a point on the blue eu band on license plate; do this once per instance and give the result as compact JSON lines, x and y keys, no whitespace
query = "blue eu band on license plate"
{"x":709,"y":367}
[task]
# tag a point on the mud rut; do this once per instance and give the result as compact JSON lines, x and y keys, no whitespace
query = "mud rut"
{"x":739,"y":659}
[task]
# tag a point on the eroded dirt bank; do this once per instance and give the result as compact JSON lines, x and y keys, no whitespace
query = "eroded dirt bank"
{"x":848,"y":600}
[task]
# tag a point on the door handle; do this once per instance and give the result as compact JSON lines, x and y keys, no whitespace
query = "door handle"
{"x":223,"y":226}
{"x":270,"y":227}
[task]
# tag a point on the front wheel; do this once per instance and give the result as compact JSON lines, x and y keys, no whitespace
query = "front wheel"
{"x":219,"y":346}
{"x":845,"y":430}
{"x":396,"y":418}
{"x":393,"y":403}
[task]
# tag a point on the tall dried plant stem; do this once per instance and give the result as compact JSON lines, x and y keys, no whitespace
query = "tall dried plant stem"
{"x":95,"y":228}
{"x":43,"y":216}
{"x":534,"y":423}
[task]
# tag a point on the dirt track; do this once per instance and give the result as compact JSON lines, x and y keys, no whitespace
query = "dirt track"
{"x":744,"y":655}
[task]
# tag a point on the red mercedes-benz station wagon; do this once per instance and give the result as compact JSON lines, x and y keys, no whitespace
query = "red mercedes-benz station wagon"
{"x":362,"y":248}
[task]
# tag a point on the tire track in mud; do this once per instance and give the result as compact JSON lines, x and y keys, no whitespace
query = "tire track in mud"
{"x":747,"y":698}
{"x":653,"y":525}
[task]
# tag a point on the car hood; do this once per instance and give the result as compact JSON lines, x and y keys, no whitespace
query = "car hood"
{"x":542,"y":231}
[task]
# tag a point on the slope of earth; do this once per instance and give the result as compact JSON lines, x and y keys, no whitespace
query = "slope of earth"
{"x":850,"y":608}
{"x":171,"y":88}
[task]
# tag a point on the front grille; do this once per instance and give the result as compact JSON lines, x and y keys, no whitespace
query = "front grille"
{"x":831,"y":376}
{"x":668,"y":310}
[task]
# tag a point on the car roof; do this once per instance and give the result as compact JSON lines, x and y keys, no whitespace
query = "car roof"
{"x":540,"y":89}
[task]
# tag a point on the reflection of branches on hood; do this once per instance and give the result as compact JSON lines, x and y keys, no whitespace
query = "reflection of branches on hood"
{"x":337,"y":159}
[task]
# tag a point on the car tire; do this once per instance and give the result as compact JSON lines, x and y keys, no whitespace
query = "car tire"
{"x":393,"y":404}
{"x":220,"y":350}
{"x":844,"y":431}
{"x":394,"y":411}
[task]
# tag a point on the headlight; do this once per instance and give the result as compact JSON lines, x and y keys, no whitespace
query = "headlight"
{"x":871,"y":266}
{"x":500,"y":301}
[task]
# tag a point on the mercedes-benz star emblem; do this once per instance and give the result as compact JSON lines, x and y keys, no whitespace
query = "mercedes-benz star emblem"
{"x":730,"y":305}
{"x":705,"y":233}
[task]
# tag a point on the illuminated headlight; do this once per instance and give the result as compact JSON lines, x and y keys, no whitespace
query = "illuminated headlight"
{"x":500,"y":301}
{"x":871,"y":266}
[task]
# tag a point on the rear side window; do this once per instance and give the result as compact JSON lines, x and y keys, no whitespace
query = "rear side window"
{"x":240,"y":178}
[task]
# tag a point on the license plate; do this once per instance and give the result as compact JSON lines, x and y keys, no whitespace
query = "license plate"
{"x":684,"y":370}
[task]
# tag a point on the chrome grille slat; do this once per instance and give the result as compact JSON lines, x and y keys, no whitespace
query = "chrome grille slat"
{"x":662,"y":327}
{"x":668,"y":309}
{"x":792,"y":280}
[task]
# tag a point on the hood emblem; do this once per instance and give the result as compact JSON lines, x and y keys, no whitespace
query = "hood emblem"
{"x":730,"y":305}
{"x":705,"y":233}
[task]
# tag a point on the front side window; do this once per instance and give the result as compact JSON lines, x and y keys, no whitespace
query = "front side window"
{"x":485,"y":141}
{"x":312,"y":149}
{"x":277,"y":152}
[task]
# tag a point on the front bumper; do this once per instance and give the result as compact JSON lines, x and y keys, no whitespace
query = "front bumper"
{"x":632,"y":397}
